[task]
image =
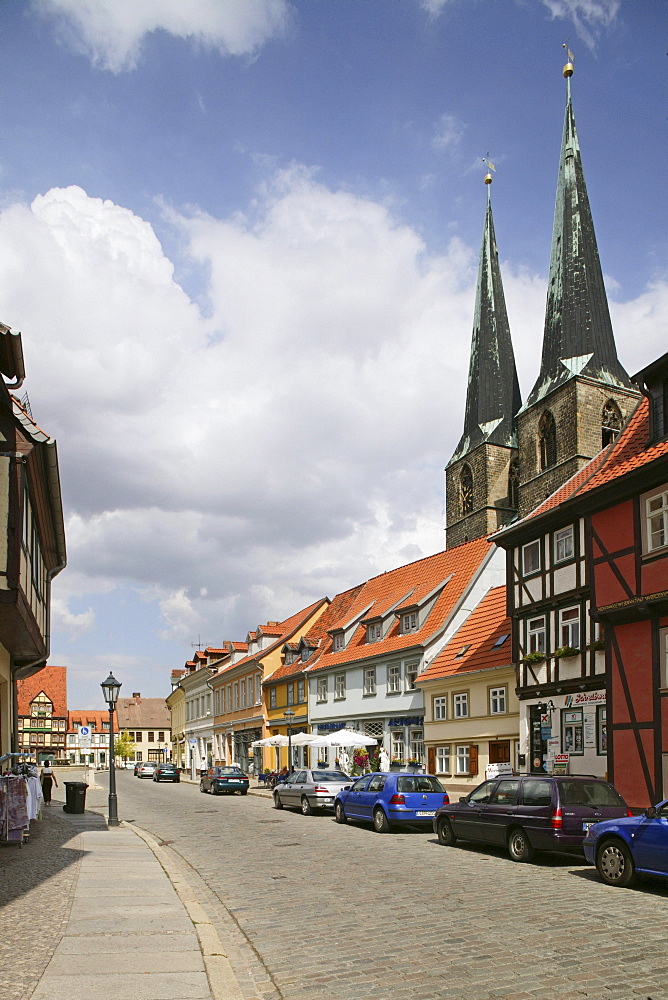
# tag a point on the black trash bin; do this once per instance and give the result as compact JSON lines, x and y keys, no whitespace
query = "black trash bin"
{"x":75,"y":797}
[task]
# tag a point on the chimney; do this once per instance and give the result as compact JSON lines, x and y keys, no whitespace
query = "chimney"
{"x":136,"y":694}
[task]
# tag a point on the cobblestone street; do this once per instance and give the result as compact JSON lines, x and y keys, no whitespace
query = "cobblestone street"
{"x":311,"y":909}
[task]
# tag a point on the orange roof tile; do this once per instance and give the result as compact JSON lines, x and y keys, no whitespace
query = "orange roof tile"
{"x":482,"y":629}
{"x":286,"y":630}
{"x":383,"y":592}
{"x":84,"y":717}
{"x":52,"y":681}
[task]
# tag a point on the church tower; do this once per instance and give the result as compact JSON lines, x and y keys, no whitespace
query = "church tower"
{"x":583,"y":394}
{"x":481,"y":478}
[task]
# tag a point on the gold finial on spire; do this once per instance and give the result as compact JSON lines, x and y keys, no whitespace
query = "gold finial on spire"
{"x":569,"y":67}
{"x":490,"y":168}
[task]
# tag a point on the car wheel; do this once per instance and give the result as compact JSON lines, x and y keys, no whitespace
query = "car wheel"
{"x":201,"y":787}
{"x":518,"y":845}
{"x":614,"y":863}
{"x":380,"y":822}
{"x":339,"y":813}
{"x":446,"y":835}
{"x":277,"y":801}
{"x":245,"y":791}
{"x":306,"y":807}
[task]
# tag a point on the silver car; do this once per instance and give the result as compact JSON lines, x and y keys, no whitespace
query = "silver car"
{"x":309,"y":790}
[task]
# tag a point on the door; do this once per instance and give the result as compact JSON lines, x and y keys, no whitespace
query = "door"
{"x":650,"y":845}
{"x":500,"y":810}
{"x":354,"y":805}
{"x":467,"y":817}
{"x":538,"y":749}
{"x":291,"y":793}
{"x":368,"y":796}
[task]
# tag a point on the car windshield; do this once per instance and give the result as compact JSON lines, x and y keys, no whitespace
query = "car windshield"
{"x":589,"y":793}
{"x":418,"y":783}
{"x":330,"y":776}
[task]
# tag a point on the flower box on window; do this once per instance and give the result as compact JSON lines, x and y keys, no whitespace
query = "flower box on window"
{"x":565,"y":651}
{"x":536,"y":657}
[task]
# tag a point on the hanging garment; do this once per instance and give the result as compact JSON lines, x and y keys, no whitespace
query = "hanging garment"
{"x":13,"y":807}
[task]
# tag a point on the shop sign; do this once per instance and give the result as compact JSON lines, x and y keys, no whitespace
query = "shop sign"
{"x":406,"y":720}
{"x":561,"y":763}
{"x":585,"y":698}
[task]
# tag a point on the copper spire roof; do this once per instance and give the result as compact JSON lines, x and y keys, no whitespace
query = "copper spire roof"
{"x":578,"y":337}
{"x":493,"y":395}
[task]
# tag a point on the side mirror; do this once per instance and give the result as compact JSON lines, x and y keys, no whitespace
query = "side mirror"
{"x":650,"y":812}
{"x":463,"y":798}
{"x":346,"y":788}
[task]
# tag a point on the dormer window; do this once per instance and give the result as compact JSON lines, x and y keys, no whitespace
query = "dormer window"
{"x":306,"y":652}
{"x":409,"y":621}
{"x":338,"y":642}
{"x":374,"y":632}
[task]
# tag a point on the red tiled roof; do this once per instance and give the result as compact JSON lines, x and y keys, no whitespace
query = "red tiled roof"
{"x":286,"y":630}
{"x":86,"y":716}
{"x":52,"y":681}
{"x":143,"y":713}
{"x":381,"y":593}
{"x":484,"y":626}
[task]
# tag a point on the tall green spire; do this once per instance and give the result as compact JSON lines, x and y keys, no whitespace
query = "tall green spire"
{"x":578,"y":337}
{"x":493,"y":395}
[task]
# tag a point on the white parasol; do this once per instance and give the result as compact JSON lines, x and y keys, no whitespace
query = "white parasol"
{"x":344,"y":738}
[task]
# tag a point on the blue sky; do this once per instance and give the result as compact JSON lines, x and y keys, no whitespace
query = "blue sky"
{"x":240,"y":239}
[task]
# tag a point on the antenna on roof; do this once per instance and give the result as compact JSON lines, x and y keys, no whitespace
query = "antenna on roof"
{"x":198,"y":645}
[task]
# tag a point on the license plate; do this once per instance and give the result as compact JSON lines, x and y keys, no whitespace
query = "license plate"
{"x":432,"y":813}
{"x":327,"y":802}
{"x":585,"y":826}
{"x":234,"y":781}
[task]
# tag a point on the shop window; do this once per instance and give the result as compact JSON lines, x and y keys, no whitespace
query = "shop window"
{"x":398,"y":745}
{"x":440,"y":708}
{"x":531,"y":558}
{"x":563,"y":544}
{"x":461,"y":705}
{"x":572,"y":732}
{"x":443,"y":760}
{"x":601,"y":730}
{"x":497,"y":701}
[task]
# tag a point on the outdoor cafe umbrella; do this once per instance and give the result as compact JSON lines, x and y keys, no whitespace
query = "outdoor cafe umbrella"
{"x":271,"y":741}
{"x":344,"y":738}
{"x":303,"y":739}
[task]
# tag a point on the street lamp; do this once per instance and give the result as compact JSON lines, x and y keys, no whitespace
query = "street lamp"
{"x":289,"y":715}
{"x":110,"y":689}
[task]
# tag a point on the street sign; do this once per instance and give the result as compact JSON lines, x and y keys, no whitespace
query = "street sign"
{"x":193,"y":743}
{"x":85,"y":736}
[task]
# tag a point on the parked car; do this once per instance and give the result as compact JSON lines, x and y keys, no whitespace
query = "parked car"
{"x":634,"y":845}
{"x":386,"y":799}
{"x":528,"y":813}
{"x":146,"y":768}
{"x":224,"y":780}
{"x":166,"y":772}
{"x":308,"y":790}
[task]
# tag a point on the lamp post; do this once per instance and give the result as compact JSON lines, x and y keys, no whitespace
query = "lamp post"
{"x":110,"y":689}
{"x":289,"y":715}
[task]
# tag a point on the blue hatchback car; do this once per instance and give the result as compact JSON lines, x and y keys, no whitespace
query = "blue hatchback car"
{"x":388,"y":798}
{"x":622,"y":848}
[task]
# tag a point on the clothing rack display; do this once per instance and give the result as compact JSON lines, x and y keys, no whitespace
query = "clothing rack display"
{"x":20,"y":801}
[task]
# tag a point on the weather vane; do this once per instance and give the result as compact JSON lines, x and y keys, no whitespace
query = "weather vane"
{"x":569,"y":67}
{"x":490,"y":168}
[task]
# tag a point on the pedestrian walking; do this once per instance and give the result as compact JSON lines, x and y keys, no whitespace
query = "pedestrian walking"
{"x":48,"y":779}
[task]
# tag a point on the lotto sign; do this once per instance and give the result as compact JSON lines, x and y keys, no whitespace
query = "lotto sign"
{"x":561,"y":763}
{"x":85,"y":736}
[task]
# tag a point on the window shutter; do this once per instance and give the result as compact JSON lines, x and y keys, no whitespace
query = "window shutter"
{"x":431,"y":760}
{"x":473,"y":759}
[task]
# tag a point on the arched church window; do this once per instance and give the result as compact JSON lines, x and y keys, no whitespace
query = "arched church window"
{"x":547,"y":440}
{"x":514,"y":484}
{"x":611,"y":422}
{"x":466,"y":489}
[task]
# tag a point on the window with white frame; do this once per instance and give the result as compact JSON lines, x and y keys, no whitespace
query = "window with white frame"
{"x":409,"y":621}
{"x":229,"y":697}
{"x":656,"y":521}
{"x":531,"y":557}
{"x":242,"y":694}
{"x":374,"y":632}
{"x":443,"y":760}
{"x":398,"y":745}
{"x":417,"y":745}
{"x":272,"y":697}
{"x":563,"y":544}
{"x":536,"y":635}
{"x":463,"y":759}
{"x":569,"y":627}
{"x":411,"y":671}
{"x":573,"y":732}
{"x":258,"y":689}
{"x":236,"y":695}
{"x":321,"y":691}
{"x":394,"y":679}
{"x":339,"y":686}
{"x":460,"y":704}
{"x":369,"y":680}
{"x":441,"y":708}
{"x":338,"y":641}
{"x":497,"y":701}
{"x":251,"y":699}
